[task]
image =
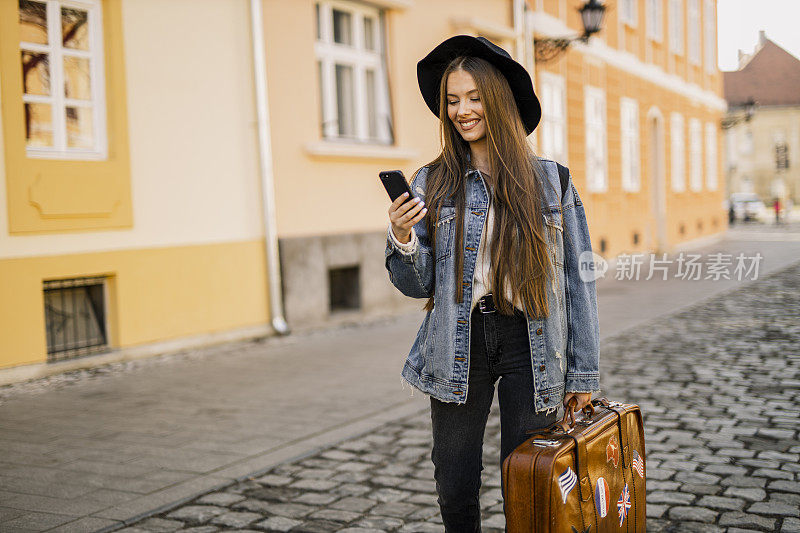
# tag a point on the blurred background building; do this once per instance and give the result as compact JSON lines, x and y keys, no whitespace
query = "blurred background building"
{"x":763,"y":123}
{"x":635,"y":114}
{"x":189,"y":172}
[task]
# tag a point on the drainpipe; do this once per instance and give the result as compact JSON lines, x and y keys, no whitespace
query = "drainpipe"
{"x":267,"y":178}
{"x":523,"y":28}
{"x":518,"y":9}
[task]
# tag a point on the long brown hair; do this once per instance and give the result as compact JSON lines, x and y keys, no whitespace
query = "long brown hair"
{"x":518,"y":245}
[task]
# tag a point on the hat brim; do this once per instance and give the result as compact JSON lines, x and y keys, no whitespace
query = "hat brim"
{"x":431,"y":68}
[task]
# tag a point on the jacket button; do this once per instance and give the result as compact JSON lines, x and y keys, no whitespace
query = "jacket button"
{"x":541,"y":368}
{"x":546,"y":399}
{"x":539,"y":331}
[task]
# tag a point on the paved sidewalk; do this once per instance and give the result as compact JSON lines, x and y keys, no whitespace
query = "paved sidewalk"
{"x":97,"y":449}
{"x":721,"y":408}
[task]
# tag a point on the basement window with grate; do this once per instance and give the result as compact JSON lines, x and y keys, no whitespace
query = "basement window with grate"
{"x":75,"y":317}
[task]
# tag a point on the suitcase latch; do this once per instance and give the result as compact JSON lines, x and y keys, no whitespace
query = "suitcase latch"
{"x":546,"y":442}
{"x":620,"y":404}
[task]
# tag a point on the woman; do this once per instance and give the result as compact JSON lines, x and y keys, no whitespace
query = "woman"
{"x":486,"y":210}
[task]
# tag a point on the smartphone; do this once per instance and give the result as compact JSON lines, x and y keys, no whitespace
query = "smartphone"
{"x":395,"y":184}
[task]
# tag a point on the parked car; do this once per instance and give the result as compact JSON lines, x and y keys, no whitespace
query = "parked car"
{"x":747,"y":206}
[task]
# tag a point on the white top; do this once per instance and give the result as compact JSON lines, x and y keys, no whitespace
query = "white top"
{"x":480,"y":282}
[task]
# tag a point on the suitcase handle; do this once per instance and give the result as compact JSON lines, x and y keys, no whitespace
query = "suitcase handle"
{"x":568,"y":422}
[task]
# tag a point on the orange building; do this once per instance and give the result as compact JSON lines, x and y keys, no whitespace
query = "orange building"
{"x":635,"y":114}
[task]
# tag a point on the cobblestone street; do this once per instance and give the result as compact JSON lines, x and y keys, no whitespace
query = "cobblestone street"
{"x":719,"y":386}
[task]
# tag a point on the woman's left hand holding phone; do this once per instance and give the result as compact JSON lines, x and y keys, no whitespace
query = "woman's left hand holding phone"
{"x":404,"y":215}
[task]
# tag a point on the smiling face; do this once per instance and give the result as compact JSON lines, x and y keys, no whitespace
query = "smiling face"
{"x":464,"y":106}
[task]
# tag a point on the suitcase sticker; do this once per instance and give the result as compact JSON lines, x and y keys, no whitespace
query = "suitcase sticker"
{"x":567,"y":482}
{"x":612,"y":451}
{"x":623,"y":504}
{"x":601,"y":497}
{"x":638,"y":464}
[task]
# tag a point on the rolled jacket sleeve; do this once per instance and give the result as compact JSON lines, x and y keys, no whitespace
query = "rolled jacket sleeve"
{"x":406,"y":248}
{"x":583,"y":328}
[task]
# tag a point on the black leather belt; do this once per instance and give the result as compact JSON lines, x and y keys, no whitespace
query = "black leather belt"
{"x":486,"y":304}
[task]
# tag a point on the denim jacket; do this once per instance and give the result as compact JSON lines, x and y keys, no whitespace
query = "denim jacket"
{"x":564,"y":346}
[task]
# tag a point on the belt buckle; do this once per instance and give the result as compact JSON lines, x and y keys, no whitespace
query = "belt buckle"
{"x":482,"y":305}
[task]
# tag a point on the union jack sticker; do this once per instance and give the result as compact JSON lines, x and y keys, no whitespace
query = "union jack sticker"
{"x":623,"y":504}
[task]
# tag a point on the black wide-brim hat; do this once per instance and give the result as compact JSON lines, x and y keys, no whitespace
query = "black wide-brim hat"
{"x":431,"y":68}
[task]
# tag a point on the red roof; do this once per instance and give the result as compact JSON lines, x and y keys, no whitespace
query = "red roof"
{"x":771,"y":77}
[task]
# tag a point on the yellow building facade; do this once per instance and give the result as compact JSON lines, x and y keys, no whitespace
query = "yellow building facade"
{"x":652,"y":72}
{"x":141,"y":202}
{"x":144,"y":235}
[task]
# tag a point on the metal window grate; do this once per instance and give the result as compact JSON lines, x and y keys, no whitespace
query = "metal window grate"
{"x":345,"y":292}
{"x":75,"y":317}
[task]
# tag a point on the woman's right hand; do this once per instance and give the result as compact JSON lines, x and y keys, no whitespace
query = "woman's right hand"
{"x":403,"y":215}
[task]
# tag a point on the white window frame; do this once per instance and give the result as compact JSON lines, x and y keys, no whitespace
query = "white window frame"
{"x":554,"y":127}
{"x":693,"y":31}
{"x":631,"y":162}
{"x":677,"y":153}
{"x":56,"y":100}
{"x":655,"y":20}
{"x":711,"y":156}
{"x":747,"y":142}
{"x":710,"y":36}
{"x":695,"y":155}
{"x":676,"y":26}
{"x":596,"y":161}
{"x":329,"y":54}
{"x":628,"y":12}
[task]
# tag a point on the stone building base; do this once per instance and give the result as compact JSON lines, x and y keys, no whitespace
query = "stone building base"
{"x":334,"y":279}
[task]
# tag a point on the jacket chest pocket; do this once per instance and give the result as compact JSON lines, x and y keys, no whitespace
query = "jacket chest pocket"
{"x":445,"y":230}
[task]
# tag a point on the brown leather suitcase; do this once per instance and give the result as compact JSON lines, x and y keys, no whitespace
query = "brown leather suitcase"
{"x":582,"y":475}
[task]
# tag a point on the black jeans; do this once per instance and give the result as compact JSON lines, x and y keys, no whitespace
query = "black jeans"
{"x":498,"y":349}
